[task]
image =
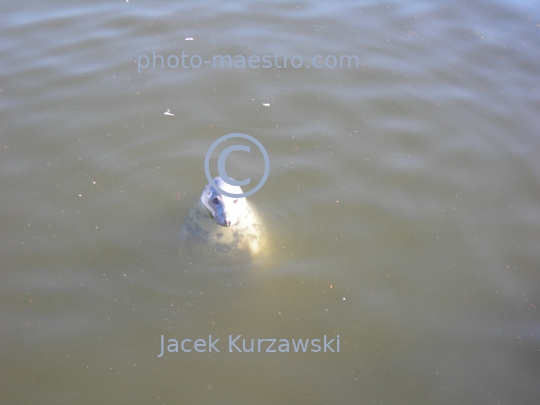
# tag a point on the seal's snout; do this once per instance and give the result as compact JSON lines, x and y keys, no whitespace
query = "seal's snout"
{"x":226,"y":221}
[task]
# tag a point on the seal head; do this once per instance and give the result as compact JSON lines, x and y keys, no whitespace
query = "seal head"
{"x":225,"y":210}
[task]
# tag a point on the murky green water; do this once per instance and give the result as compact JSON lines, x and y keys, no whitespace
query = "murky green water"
{"x":402,"y":205}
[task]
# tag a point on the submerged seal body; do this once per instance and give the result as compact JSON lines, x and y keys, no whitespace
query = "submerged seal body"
{"x":222,"y":230}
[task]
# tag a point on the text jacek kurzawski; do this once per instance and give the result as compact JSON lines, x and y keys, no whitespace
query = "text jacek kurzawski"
{"x":238,"y":344}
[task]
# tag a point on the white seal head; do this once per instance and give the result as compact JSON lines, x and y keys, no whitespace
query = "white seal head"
{"x":225,"y":210}
{"x":221,"y":231}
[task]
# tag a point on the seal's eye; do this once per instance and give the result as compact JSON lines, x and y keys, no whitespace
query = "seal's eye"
{"x":215,"y":201}
{"x":235,"y":201}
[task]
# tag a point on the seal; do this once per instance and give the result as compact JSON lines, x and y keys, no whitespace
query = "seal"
{"x":223,"y":229}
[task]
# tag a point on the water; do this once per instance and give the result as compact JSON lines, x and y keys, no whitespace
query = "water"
{"x":402,"y":203}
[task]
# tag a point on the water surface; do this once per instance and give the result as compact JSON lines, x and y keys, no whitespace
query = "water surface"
{"x":402,"y":202}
